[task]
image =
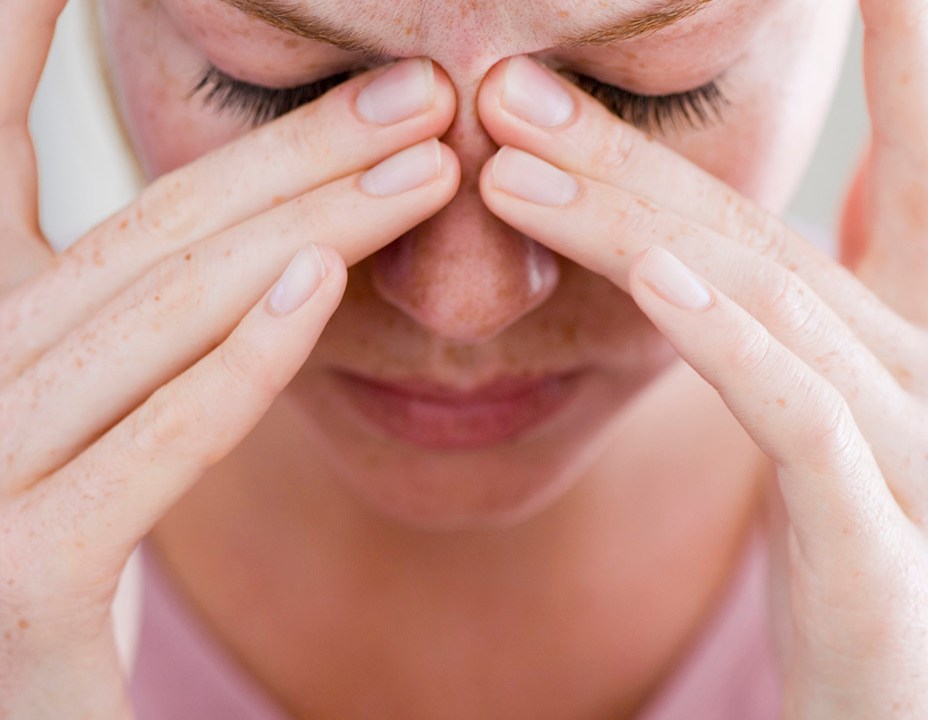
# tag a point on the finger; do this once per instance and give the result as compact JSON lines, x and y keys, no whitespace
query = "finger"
{"x":316,"y":144}
{"x":895,"y":216}
{"x":112,"y":494}
{"x":602,"y":227}
{"x":593,"y":143}
{"x":26,"y":31}
{"x":834,"y":492}
{"x":186,"y":305}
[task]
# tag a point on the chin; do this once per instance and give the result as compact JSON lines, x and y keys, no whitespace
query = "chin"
{"x":441,"y":459}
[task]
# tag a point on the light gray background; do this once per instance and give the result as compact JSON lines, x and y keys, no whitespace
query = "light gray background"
{"x":819,"y":199}
{"x":85,"y":175}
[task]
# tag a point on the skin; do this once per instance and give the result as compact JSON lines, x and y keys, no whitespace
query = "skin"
{"x":474,"y":601}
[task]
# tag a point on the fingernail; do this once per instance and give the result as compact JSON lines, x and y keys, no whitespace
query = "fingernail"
{"x":300,"y":280}
{"x":404,"y":90}
{"x":533,"y":179}
{"x":673,"y":280}
{"x":404,"y":171}
{"x":530,"y":92}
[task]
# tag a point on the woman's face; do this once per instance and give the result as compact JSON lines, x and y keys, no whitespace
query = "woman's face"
{"x":470,"y":376}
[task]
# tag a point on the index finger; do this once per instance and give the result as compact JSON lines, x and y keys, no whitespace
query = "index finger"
{"x":894,"y":214}
{"x":26,"y":31}
{"x":896,"y":51}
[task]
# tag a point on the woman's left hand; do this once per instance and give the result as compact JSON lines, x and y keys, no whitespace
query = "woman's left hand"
{"x":826,"y":368}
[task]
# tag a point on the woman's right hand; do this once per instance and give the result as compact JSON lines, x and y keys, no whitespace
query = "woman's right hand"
{"x":149,"y":349}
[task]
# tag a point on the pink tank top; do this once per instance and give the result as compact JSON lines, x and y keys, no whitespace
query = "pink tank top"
{"x":729,"y":673}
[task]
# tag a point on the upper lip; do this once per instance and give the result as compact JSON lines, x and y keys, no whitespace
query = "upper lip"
{"x":427,"y":389}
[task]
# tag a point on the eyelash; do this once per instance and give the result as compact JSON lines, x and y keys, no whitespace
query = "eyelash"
{"x":257,"y":104}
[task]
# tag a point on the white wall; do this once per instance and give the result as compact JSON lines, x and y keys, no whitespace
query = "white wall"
{"x":820,"y":196}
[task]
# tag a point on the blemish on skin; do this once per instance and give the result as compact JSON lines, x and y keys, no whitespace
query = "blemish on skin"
{"x":23,"y":624}
{"x":278,"y":200}
{"x":98,"y":257}
{"x":187,"y":257}
{"x":781,"y":402}
{"x":157,"y":298}
{"x":620,"y":252}
{"x":564,"y":14}
{"x":227,"y":253}
{"x":905,"y":78}
{"x":124,"y":224}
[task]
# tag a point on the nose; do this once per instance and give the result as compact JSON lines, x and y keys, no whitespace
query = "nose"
{"x":463,"y":274}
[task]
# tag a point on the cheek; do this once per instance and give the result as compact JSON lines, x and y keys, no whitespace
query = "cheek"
{"x":154,"y":70}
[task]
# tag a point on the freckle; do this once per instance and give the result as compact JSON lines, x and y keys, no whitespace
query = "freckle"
{"x":793,"y":267}
{"x":157,"y":298}
{"x":124,"y":224}
{"x":98,"y":257}
{"x":78,"y":362}
{"x":564,"y":14}
{"x":80,"y":544}
{"x":278,"y":200}
{"x":23,"y":624}
{"x":291,"y":43}
{"x":905,"y":78}
{"x":187,"y":257}
{"x":620,"y":252}
{"x":138,"y":213}
{"x":227,"y":253}
{"x":671,"y":239}
{"x":781,"y":402}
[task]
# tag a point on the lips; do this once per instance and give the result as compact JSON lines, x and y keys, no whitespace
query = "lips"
{"x":441,"y":417}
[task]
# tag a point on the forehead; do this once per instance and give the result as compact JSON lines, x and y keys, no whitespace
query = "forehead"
{"x":463,"y":31}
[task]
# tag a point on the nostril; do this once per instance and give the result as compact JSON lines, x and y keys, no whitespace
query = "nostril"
{"x":465,"y":291}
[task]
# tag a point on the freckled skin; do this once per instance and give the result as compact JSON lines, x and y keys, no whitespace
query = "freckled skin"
{"x":463,"y":298}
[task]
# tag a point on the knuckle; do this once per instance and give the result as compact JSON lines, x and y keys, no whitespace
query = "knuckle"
{"x":764,"y":234}
{"x":615,"y":150}
{"x":159,"y":422}
{"x":830,"y":432}
{"x":166,"y":209}
{"x":788,"y":303}
{"x":749,"y":351}
{"x":304,"y":132}
{"x":246,"y":366}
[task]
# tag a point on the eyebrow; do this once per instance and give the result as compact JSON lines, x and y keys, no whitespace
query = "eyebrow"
{"x":292,"y":18}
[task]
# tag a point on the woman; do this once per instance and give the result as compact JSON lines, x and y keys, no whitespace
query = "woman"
{"x":499,"y":485}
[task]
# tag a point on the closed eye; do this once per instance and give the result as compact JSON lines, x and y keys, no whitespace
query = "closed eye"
{"x":256,"y":104}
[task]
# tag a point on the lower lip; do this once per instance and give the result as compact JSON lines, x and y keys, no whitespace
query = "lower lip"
{"x":464,"y":422}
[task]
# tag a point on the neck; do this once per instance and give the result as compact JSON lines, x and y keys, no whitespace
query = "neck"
{"x":611,"y":580}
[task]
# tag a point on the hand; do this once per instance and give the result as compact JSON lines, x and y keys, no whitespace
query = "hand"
{"x":827,"y":375}
{"x":148,"y":350}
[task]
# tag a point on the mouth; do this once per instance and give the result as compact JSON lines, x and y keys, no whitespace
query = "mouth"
{"x":441,"y":417}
